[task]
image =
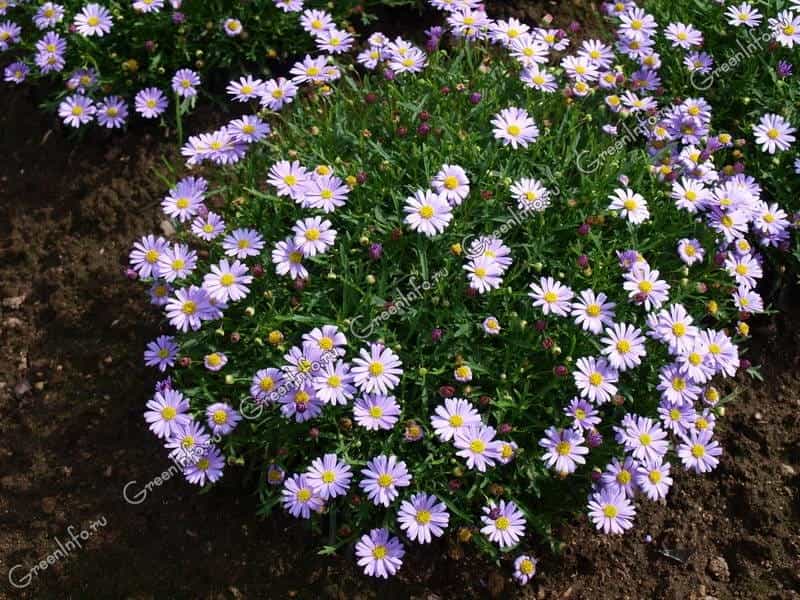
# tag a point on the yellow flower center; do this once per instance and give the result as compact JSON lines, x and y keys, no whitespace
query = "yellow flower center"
{"x":450,"y":182}
{"x":630,"y":204}
{"x":698,"y":451}
{"x":301,"y":397}
{"x":610,"y":511}
{"x":379,"y":552}
{"x":168,"y":413}
{"x":189,"y":307}
{"x":423,"y":517}
{"x":313,"y":71}
{"x":480,"y":272}
{"x":376,"y":369}
{"x":645,"y":287}
{"x":178,"y":264}
{"x":646,"y":439}
{"x":227,"y":279}
{"x":695,"y":359}
{"x":675,"y":414}
{"x":514,"y":130}
{"x":678,"y":384}
{"x":595,"y":378}
{"x":328,"y":477}
{"x":426,"y":211}
{"x":701,"y":423}
{"x":477,"y":446}
{"x":266,"y":384}
{"x":93,"y":21}
{"x":654,"y":477}
{"x":220,"y":417}
{"x":563,"y":448}
{"x":304,"y":495}
{"x":580,"y":413}
{"x":214,"y":359}
{"x":456,"y":420}
{"x":385,"y":480}
{"x":77,"y":111}
{"x":304,"y":365}
{"x":741,"y":269}
{"x":593,"y":310}
{"x":502,"y":523}
{"x":624,"y":477}
{"x":334,"y":381}
{"x":773,"y":134}
{"x":295,"y":257}
{"x":550,"y":297}
{"x":376,"y":412}
{"x":623,"y":346}
{"x":527,"y":567}
{"x":312,"y":235}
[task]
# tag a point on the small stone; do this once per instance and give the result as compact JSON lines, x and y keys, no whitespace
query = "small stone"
{"x":719,"y":568}
{"x":13,"y":302}
{"x":758,"y":416}
{"x":22,"y":388}
{"x":39,"y":385}
{"x":49,"y":504}
{"x":788,"y":470}
{"x":167,"y":228}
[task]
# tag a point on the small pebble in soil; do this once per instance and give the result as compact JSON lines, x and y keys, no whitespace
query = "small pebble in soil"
{"x":719,"y":568}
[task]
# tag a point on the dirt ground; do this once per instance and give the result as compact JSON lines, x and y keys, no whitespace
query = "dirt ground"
{"x":72,"y":391}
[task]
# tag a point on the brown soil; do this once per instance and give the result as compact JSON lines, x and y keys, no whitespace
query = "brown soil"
{"x":72,"y":391}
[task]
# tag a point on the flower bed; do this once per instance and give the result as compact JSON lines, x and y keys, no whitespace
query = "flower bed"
{"x":448,"y":290}
{"x":108,"y":60}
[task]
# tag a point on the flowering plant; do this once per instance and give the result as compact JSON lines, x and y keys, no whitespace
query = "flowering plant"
{"x":437,"y":290}
{"x":109,"y":59}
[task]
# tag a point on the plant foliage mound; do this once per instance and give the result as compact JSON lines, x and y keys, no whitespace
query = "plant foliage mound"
{"x":443,"y":290}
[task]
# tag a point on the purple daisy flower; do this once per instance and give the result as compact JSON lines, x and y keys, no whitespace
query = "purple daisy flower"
{"x":185,"y":200}
{"x":16,"y":72}
{"x":382,"y":476}
{"x":93,"y":20}
{"x":584,"y":415}
{"x":275,"y":474}
{"x":215,"y":361}
{"x":611,"y":511}
{"x":207,"y":468}
{"x":161,"y":352}
{"x":453,"y":417}
{"x":478,"y":446}
{"x":376,"y":411}
{"x":299,"y":497}
{"x":624,"y":346}
{"x":243,"y":243}
{"x":379,"y":554}
{"x":376,"y":370}
{"x":300,"y":402}
{"x":595,"y":379}
{"x":423,"y":517}
{"x":185,"y":82}
{"x":642,"y":437}
{"x":168,"y":412}
{"x":49,"y":15}
{"x":699,"y":452}
{"x":188,"y":308}
{"x":188,"y":443}
{"x":228,"y":282}
{"x":265,"y":383}
{"x":551,"y":296}
{"x":653,"y":479}
{"x":112,"y":111}
{"x":565,"y":449}
{"x":176,"y":262}
{"x":208,"y":227}
{"x":222,"y":418}
{"x":503,"y":523}
{"x":76,"y":110}
{"x":619,"y":477}
{"x":150,"y":102}
{"x":524,"y":569}
{"x":329,"y":477}
{"x":145,"y":254}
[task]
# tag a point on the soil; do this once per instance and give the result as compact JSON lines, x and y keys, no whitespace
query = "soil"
{"x":72,"y":390}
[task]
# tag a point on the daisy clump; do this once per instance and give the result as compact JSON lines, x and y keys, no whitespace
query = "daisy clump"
{"x":443,"y":304}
